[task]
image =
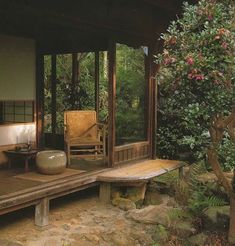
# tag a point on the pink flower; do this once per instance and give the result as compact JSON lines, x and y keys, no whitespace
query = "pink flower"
{"x":190,"y":60}
{"x":169,"y":60}
{"x":210,"y":17}
{"x":199,"y":77}
{"x":195,"y":75}
{"x":190,"y":76}
{"x":224,"y":45}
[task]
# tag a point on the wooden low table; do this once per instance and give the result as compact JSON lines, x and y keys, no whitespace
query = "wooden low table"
{"x":25,"y":155}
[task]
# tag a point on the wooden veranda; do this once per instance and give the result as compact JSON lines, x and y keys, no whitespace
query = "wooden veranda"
{"x":60,"y":27}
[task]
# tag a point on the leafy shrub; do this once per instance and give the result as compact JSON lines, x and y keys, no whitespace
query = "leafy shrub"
{"x":227,"y":154}
{"x":196,"y":78}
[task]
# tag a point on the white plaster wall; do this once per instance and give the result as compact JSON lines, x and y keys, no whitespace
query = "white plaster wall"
{"x":17,"y":82}
{"x":17,"y":68}
{"x":21,"y":133}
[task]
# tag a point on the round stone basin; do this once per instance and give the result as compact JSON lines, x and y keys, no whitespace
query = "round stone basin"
{"x":51,"y":161}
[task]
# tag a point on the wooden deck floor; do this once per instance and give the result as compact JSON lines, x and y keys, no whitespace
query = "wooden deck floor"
{"x":17,"y":192}
{"x":15,"y":180}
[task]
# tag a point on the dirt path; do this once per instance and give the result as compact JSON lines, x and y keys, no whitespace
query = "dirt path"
{"x":78,"y":220}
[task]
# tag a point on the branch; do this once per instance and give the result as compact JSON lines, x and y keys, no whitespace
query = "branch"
{"x":213,"y":161}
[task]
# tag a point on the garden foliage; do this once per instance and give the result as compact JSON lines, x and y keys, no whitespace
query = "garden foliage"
{"x":130,"y":104}
{"x":197,"y":78}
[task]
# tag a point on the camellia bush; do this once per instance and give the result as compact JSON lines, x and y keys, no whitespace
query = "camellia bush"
{"x":196,"y":79}
{"x":197,"y":86}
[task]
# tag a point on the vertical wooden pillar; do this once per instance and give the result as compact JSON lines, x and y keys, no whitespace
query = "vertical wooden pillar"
{"x":42,"y":213}
{"x":151,"y":70}
{"x":149,"y":112}
{"x":53,"y":98}
{"x":74,"y":68}
{"x":111,"y":102}
{"x":39,"y":98}
{"x":154,"y":103}
{"x":97,"y":83}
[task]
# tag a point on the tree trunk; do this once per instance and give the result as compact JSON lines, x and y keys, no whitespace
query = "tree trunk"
{"x":231,"y":234}
{"x":213,"y":161}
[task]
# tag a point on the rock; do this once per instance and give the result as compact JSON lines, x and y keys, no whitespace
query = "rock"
{"x":124,"y":204}
{"x":216,"y":218}
{"x":74,"y":222}
{"x":198,"y":240}
{"x":153,"y":198}
{"x":211,"y":181}
{"x":66,"y":227}
{"x":116,"y":192}
{"x":153,"y":214}
{"x":92,"y":238}
{"x":137,"y":193}
{"x":184,"y":229}
{"x":207,"y":177}
{"x":118,"y":239}
{"x":52,"y":241}
{"x":4,"y":242}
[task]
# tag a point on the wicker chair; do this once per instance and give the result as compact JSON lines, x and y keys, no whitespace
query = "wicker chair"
{"x":84,"y":137}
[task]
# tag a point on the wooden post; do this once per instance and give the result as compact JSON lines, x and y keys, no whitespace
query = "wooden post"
{"x":181,"y":172}
{"x":105,"y":192}
{"x":39,"y":98}
{"x":111,"y":102}
{"x":97,"y":83}
{"x":149,"y":101}
{"x":154,"y":69}
{"x":151,"y":71}
{"x":42,"y":213}
{"x":53,"y":98}
{"x":75,"y":74}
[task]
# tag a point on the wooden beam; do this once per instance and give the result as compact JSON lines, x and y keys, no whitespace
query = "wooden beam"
{"x":97,"y":83}
{"x":39,"y":98}
{"x":53,"y":98}
{"x":111,"y":102}
{"x":169,"y":6}
{"x":123,"y":21}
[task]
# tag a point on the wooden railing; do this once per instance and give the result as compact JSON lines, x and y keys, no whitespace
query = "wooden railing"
{"x":131,"y":152}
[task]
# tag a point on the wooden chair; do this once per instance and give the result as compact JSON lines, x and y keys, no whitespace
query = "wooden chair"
{"x":83,"y":135}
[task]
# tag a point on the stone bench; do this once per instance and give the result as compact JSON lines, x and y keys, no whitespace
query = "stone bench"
{"x":134,"y":174}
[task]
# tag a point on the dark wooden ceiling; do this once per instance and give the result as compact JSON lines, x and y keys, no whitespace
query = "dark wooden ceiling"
{"x":79,"y":25}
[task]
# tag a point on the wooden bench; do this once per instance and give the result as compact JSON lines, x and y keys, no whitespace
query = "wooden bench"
{"x":135,"y":173}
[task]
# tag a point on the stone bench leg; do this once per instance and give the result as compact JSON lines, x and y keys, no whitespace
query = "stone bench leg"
{"x":181,"y":172}
{"x":42,"y":213}
{"x":105,"y":192}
